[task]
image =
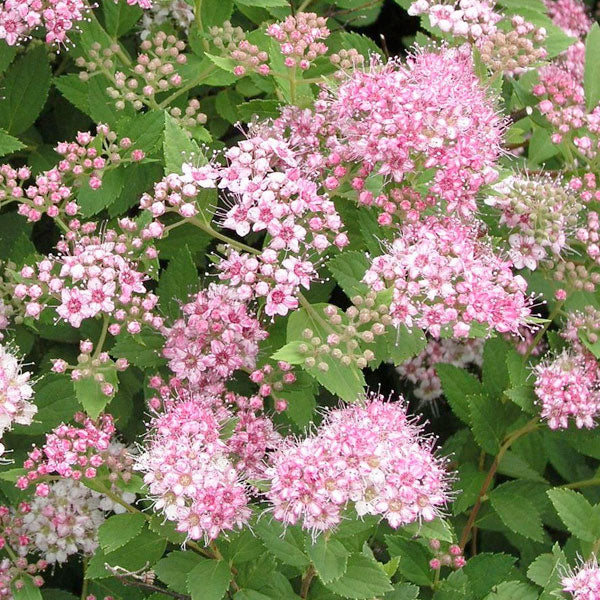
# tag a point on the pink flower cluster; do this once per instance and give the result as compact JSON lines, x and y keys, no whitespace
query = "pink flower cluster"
{"x":216,"y":336}
{"x":268,"y":194}
{"x":568,"y":387}
{"x":431,"y":114}
{"x":84,"y":160}
{"x":189,"y":471}
{"x":420,"y":370}
{"x":571,"y":16}
{"x":299,"y":36}
{"x":18,"y":19}
{"x":15,"y":570}
{"x":15,"y":393}
{"x":367,"y":455}
{"x":584,"y":583}
{"x":95,"y":275}
{"x":70,"y":451}
{"x":443,"y":274}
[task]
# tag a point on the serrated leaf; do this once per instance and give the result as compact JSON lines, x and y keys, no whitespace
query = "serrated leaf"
{"x":487,"y":428}
{"x":178,"y":280}
{"x":348,"y":270}
{"x":364,"y":578}
{"x":263,"y":3}
{"x":414,"y":561}
{"x":216,"y":13}
{"x":487,"y":570}
{"x":27,"y":591}
{"x":9,"y":144}
{"x":178,"y":147}
{"x":209,"y":580}
{"x":517,"y":512}
{"x":174,"y":569}
{"x":509,"y":590}
{"x":24,"y":90}
{"x":329,"y":557}
{"x":120,"y":17}
{"x":92,"y":201}
{"x":142,"y":551}
{"x":141,"y":350}
{"x":89,"y":393}
{"x":438,"y":529}
{"x":579,"y":516}
{"x":263,"y":109}
{"x":495,"y":370}
{"x":119,"y":529}
{"x":75,"y":90}
{"x":457,"y":385}
{"x":286,"y":544}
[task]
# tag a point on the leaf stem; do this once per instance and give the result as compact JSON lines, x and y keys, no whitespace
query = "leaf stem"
{"x":582,"y":484}
{"x":508,"y":442}
{"x":216,"y":234}
{"x":306,"y":581}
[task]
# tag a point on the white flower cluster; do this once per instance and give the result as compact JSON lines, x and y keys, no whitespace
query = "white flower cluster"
{"x":178,"y":11}
{"x":66,"y":520}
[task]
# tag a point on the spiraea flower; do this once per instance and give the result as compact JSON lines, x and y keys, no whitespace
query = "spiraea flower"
{"x":216,"y":336}
{"x":584,"y":582}
{"x":568,"y":388}
{"x":367,"y":456}
{"x":442,"y":274}
{"x":189,"y":472}
{"x":298,"y":38}
{"x":572,"y":16}
{"x":66,"y":520}
{"x":430,"y":113}
{"x":16,"y":392}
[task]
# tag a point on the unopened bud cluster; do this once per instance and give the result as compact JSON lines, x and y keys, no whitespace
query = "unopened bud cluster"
{"x":513,"y":51}
{"x":541,"y":215}
{"x":346,"y":61}
{"x":190,"y":117}
{"x":299,"y":36}
{"x":364,"y":321}
{"x":232,"y":43}
{"x":452,"y":557}
{"x":272,"y":380}
{"x":155,"y":70}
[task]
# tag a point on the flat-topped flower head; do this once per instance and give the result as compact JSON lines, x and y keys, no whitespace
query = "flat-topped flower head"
{"x":366,"y":456}
{"x":583,"y":583}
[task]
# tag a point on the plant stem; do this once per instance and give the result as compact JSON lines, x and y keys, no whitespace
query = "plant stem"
{"x":84,"y":585}
{"x":582,"y":484}
{"x":186,"y":87}
{"x":216,"y":234}
{"x":542,"y":331}
{"x":101,"y":339}
{"x":306,"y":581}
{"x":508,"y":442}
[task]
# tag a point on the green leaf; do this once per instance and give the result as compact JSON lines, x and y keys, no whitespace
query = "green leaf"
{"x":457,"y":385}
{"x":174,"y":569}
{"x":487,"y":570}
{"x":28,"y":591}
{"x":402,"y":343}
{"x":541,"y":147}
{"x":547,"y":571}
{"x":141,"y":350}
{"x":263,"y":109}
{"x":364,"y":578}
{"x":94,"y":201}
{"x":414,"y":560}
{"x":347,"y":382}
{"x":438,"y":529}
{"x":141,"y":552}
{"x":89,"y":391}
{"x":495,"y":370}
{"x":509,"y":590}
{"x":591,"y":77}
{"x":403,"y":591}
{"x":209,"y":580}
{"x":468,"y":486}
{"x":7,"y":55}
{"x":216,"y":13}
{"x":487,"y":428}
{"x":348,"y":269}
{"x":286,"y":544}
{"x":56,"y":404}
{"x":178,"y":280}
{"x":75,"y":90}
{"x":178,"y":147}
{"x":119,"y":529}
{"x":9,"y":144}
{"x":145,"y":130}
{"x":24,"y":90}
{"x":517,"y":512}
{"x":329,"y":557}
{"x":579,"y":516}
{"x":120,"y":17}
